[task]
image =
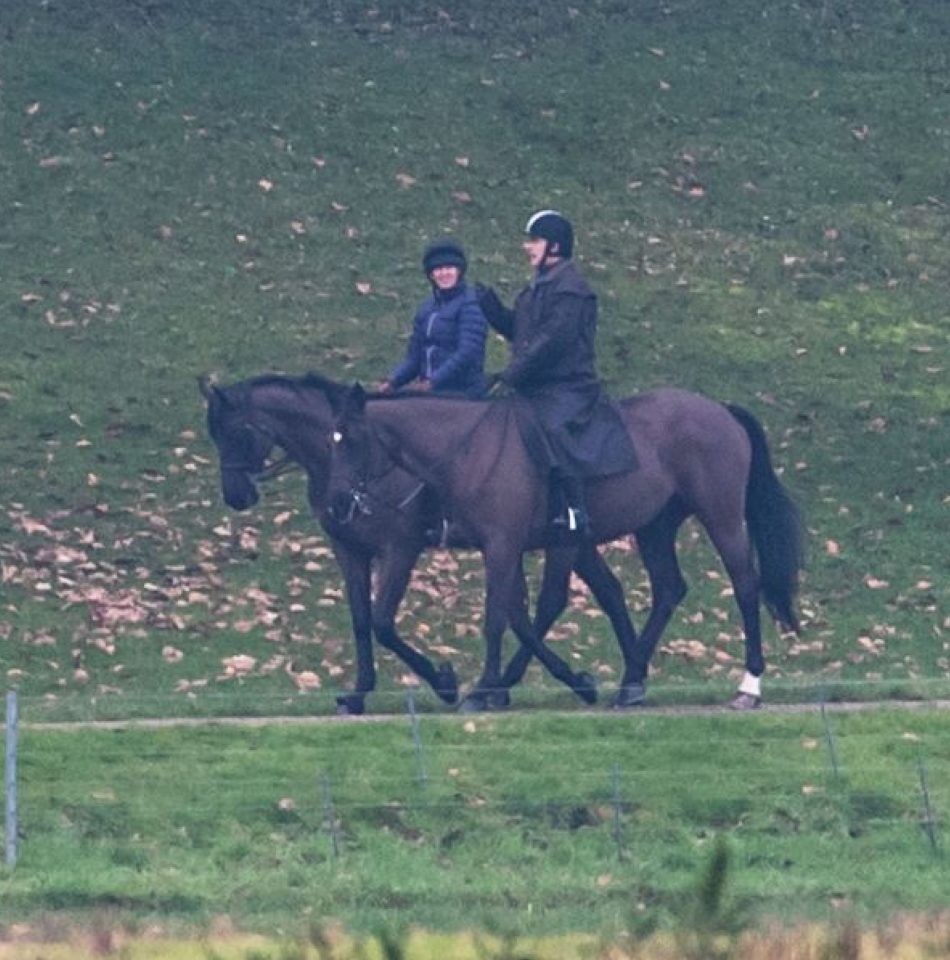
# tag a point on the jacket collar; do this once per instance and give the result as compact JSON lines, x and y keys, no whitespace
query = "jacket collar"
{"x":551,"y":273}
{"x":445,"y":296}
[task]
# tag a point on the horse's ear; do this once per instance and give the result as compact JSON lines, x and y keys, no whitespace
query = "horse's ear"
{"x":214,"y":395}
{"x":355,"y":400}
{"x":209,"y":389}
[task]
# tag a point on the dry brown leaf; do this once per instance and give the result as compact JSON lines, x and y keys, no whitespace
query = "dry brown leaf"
{"x":242,"y":663}
{"x":306,"y":680}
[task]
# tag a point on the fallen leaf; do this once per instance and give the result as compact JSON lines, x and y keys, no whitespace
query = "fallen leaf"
{"x":240,"y":664}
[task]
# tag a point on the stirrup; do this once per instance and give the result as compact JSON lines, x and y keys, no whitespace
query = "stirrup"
{"x":574,"y":522}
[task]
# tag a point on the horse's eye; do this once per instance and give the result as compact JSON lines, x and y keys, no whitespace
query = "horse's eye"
{"x":336,"y":436}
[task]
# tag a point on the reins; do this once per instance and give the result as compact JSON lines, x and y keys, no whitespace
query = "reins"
{"x":434,"y":471}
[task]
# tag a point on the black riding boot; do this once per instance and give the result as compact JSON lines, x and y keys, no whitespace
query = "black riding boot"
{"x":568,"y":513}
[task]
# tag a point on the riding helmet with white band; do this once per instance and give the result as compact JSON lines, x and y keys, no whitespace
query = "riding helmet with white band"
{"x":555,"y":228}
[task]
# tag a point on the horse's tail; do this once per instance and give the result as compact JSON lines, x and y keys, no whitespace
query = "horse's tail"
{"x":775,"y":526}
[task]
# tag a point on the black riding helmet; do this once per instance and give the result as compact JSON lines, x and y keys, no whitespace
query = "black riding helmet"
{"x":555,"y":228}
{"x":444,"y":253}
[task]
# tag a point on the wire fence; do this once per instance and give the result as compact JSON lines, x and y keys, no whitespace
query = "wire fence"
{"x":444,"y":770}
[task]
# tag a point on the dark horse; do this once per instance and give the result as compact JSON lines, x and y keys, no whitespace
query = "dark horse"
{"x":386,"y":528}
{"x":697,"y":458}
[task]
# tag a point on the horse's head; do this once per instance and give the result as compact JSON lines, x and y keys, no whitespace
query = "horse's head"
{"x":243,"y":446}
{"x":352,"y":458}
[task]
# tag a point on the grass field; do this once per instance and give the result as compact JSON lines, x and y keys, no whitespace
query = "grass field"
{"x":760,"y":193}
{"x":516,"y":825}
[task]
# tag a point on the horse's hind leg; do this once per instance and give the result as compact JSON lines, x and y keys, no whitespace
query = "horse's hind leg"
{"x":657,"y":545}
{"x":518,"y":617}
{"x":732,"y":542}
{"x":608,"y":592}
{"x":395,"y":569}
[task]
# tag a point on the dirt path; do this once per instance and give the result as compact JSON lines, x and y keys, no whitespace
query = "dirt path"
{"x":159,"y":723}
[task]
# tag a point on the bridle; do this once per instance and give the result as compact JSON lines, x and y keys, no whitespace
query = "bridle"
{"x":245,"y":466}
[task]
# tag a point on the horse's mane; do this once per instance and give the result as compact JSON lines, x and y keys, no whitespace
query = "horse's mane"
{"x":313,"y":380}
{"x":318,"y":381}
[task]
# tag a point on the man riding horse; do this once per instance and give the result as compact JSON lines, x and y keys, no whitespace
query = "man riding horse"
{"x":552,"y":329}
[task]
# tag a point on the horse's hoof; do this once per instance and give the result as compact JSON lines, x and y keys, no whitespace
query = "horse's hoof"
{"x":499,"y":699}
{"x":446,"y":683}
{"x":586,"y":687}
{"x":746,"y":701}
{"x":630,"y":695}
{"x":482,"y":701}
{"x":350,"y":705}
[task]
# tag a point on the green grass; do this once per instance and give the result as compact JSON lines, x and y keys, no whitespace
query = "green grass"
{"x":522,"y":824}
{"x":760,"y":195}
{"x":203,"y":190}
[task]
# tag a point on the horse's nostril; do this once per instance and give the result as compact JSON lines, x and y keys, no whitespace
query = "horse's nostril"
{"x":240,"y":496}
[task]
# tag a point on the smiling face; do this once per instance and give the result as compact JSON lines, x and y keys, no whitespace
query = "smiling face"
{"x":446,"y":277}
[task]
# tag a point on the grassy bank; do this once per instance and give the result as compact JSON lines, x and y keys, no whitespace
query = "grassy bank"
{"x":518,"y":824}
{"x":760,"y":199}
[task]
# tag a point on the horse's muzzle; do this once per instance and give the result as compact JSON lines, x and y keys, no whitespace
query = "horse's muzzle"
{"x":239,"y":495}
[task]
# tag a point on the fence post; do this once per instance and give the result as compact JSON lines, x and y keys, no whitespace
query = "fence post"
{"x":830,"y":740}
{"x":618,"y":811}
{"x":329,"y":816}
{"x":421,"y":775}
{"x":928,"y":822}
{"x":10,"y":779}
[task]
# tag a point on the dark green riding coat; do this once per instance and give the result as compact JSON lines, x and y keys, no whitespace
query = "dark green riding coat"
{"x":552,"y":328}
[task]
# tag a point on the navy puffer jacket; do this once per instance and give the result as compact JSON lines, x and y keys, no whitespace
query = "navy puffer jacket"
{"x":447,"y":346}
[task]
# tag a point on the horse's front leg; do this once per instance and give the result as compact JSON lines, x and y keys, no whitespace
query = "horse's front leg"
{"x":501,"y":572}
{"x":552,"y":600}
{"x":532,"y":639}
{"x":394,"y":571}
{"x":503,"y":576}
{"x":355,"y":566}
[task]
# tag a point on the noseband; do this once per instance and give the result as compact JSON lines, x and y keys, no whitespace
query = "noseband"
{"x":268,"y":472}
